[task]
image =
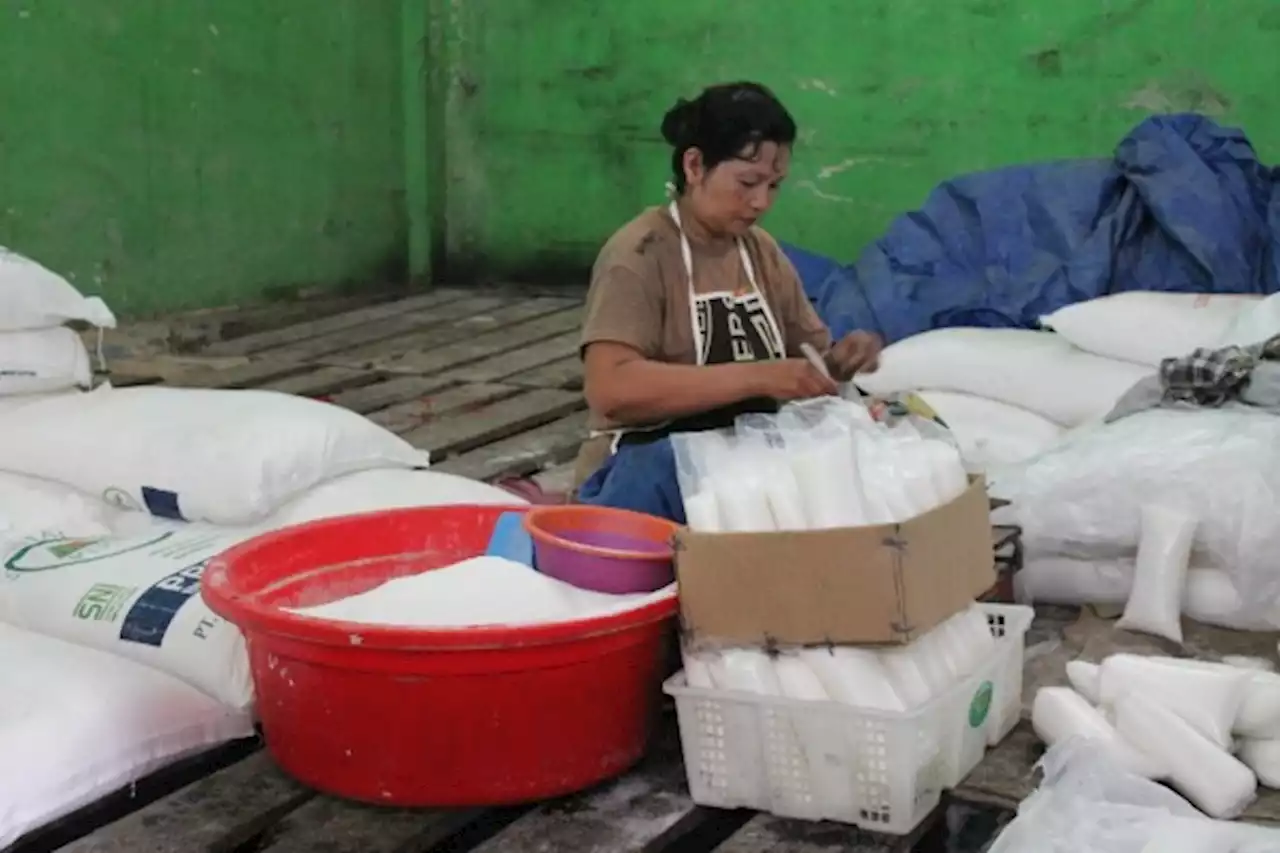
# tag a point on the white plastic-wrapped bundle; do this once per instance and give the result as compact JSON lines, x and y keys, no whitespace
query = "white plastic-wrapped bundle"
{"x":697,"y":455}
{"x":1155,"y":603}
{"x":819,"y":443}
{"x":1083,"y":498}
{"x":1207,"y":775}
{"x":1059,"y":714}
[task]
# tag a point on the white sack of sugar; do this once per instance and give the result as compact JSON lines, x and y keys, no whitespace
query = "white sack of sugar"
{"x":1208,"y":696}
{"x":135,"y":448}
{"x":1036,"y":371}
{"x":991,"y":433}
{"x":853,"y":677}
{"x":34,"y":297}
{"x":134,"y":596}
{"x":387,"y":488}
{"x":1155,"y":602}
{"x":1202,"y":771}
{"x":797,"y":680}
{"x":1059,"y":714}
{"x":479,"y":591}
{"x":42,"y":361}
{"x":1145,"y":327}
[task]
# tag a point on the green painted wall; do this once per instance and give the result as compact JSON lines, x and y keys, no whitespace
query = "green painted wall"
{"x":555,"y":104}
{"x":173,"y":153}
{"x":178,"y":153}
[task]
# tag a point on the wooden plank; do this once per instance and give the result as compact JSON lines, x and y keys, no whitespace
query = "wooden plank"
{"x":389,"y":328}
{"x":399,"y":389}
{"x":499,"y":367}
{"x":127,"y":380}
{"x":251,"y":375}
{"x":322,"y":382}
{"x":135,"y":796}
{"x":644,"y":810}
{"x":522,"y":454}
{"x":565,"y":373}
{"x":406,"y":417}
{"x":469,"y":429}
{"x":273,"y":338}
{"x":220,"y":812}
{"x":767,"y":834}
{"x":333,"y":826}
{"x":441,"y":358}
{"x":477,"y":323}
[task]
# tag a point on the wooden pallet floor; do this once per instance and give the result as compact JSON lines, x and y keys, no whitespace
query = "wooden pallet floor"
{"x":489,"y":381}
{"x":250,"y":806}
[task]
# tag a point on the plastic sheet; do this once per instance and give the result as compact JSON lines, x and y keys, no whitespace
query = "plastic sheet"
{"x":1059,"y":714}
{"x":1083,"y":498}
{"x":1088,"y":803}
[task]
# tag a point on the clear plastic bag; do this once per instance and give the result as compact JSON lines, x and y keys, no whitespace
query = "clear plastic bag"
{"x":759,"y":437}
{"x":1083,"y":498}
{"x":819,"y":447}
{"x":698,"y":455}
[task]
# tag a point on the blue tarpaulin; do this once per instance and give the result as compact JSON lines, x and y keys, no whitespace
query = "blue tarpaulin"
{"x":1183,"y":206}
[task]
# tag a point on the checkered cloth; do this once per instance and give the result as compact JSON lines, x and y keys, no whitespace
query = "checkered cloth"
{"x":1211,"y":377}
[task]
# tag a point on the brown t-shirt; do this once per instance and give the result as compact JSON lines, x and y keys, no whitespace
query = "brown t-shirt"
{"x":639,"y":292}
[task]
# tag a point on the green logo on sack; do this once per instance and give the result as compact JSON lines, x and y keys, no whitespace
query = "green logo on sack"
{"x":46,"y":554}
{"x":103,"y":602}
{"x":980,"y":707}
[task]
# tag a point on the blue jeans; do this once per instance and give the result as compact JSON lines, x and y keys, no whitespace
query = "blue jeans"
{"x":639,"y":477}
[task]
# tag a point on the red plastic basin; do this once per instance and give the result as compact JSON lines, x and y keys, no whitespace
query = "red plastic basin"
{"x":414,"y":717}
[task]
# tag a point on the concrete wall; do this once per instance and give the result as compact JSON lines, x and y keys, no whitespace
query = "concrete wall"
{"x":555,"y":104}
{"x":171,"y":153}
{"x":177,"y":153}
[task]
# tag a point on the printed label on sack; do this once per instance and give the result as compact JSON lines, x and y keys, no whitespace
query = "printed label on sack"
{"x":149,"y":618}
{"x":44,"y":555}
{"x":980,"y":706}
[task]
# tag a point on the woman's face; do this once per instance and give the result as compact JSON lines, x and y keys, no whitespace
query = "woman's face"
{"x":731,"y":197}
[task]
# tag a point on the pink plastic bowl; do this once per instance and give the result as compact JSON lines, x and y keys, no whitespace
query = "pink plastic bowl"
{"x":602,"y":549}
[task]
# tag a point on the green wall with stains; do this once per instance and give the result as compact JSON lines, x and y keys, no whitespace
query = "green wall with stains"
{"x":554,"y":104}
{"x":176,"y":153}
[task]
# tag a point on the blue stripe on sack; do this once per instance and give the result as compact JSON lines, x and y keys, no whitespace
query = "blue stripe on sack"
{"x":149,"y":618}
{"x":162,"y":503}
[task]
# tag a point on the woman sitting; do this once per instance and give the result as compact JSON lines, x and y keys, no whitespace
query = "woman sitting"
{"x":694,"y":315}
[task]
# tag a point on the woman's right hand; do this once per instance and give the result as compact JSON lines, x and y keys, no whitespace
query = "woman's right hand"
{"x":792,"y":379}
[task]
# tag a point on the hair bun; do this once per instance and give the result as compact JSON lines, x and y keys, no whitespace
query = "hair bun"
{"x":677,"y":124}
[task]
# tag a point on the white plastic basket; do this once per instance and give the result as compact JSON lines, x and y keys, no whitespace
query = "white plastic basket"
{"x":825,"y":761}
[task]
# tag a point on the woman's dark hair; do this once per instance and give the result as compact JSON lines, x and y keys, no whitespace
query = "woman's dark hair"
{"x":725,"y":122}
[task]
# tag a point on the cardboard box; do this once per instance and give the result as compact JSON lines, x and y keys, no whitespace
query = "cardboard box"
{"x":886,"y":584}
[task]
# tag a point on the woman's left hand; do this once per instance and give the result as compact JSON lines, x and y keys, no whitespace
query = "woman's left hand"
{"x":856,"y":352}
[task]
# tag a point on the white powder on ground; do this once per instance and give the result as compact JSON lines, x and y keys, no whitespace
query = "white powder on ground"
{"x":479,"y":591}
